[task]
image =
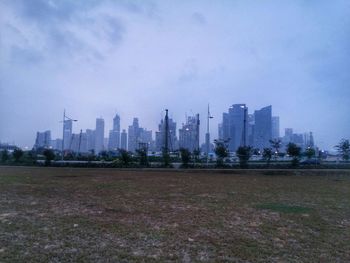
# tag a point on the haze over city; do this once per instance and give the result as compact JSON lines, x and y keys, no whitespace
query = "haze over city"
{"x":137,"y":58}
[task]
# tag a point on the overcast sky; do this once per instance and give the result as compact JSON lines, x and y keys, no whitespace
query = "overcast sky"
{"x":136,"y":58}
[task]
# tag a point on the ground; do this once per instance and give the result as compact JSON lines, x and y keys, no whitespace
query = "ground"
{"x":108,"y":215}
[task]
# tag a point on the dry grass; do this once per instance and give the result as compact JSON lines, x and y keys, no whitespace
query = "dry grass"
{"x":105,"y":215}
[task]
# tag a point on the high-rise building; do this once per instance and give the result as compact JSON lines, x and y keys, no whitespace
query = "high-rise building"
{"x":124,"y":140}
{"x":189,"y":134}
{"x":235,"y":126}
{"x":99,"y":135}
{"x":134,"y":135}
{"x":275,"y":127}
{"x":263,"y":127}
{"x":114,"y":134}
{"x":160,"y":136}
{"x":67,"y":133}
{"x":43,"y":140}
{"x":90,"y":140}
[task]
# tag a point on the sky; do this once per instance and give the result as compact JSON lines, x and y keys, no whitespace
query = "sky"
{"x":137,"y":58}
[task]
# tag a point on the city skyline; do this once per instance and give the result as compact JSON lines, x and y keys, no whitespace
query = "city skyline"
{"x":138,"y":58}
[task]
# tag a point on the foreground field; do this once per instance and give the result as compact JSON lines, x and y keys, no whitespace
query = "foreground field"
{"x":104,"y":215}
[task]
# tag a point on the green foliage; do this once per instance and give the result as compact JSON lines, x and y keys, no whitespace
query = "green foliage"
{"x":244,"y":153}
{"x":294,"y":151}
{"x":185,"y":156}
{"x":17,"y":154}
{"x":143,"y":157}
{"x":267,"y":155}
{"x":124,"y":156}
{"x":282,"y":208}
{"x":5,"y":156}
{"x":276,"y":145}
{"x":49,"y":156}
{"x":310,"y":152}
{"x":221,"y":151}
{"x":165,"y":158}
{"x":196,"y":153}
{"x":344,"y":149}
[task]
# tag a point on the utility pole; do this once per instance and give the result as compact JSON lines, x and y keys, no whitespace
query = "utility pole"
{"x":166,"y":144}
{"x":64,"y":119}
{"x":207,"y":136}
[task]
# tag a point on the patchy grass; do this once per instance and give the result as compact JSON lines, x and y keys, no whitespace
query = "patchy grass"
{"x":94,"y":215}
{"x":282,"y":208}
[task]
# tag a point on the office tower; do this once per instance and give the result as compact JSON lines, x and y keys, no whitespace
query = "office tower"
{"x":114,"y":134}
{"x":250,"y":129}
{"x":90,"y":140}
{"x":134,"y":135}
{"x":56,"y":144}
{"x":288,"y":135}
{"x":74,"y":143}
{"x":235,"y":126}
{"x":67,"y":133}
{"x":160,"y":136}
{"x":43,"y":140}
{"x":99,"y":135}
{"x":275,"y":127}
{"x":189,"y":134}
{"x":263,"y":127}
{"x":124,"y":140}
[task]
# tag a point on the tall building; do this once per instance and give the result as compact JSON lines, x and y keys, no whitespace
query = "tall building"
{"x":99,"y":135}
{"x":67,"y":134}
{"x":235,"y":126}
{"x":90,"y":140}
{"x":134,"y":135}
{"x":124,"y":140}
{"x":43,"y":140}
{"x":275,"y":127}
{"x":160,"y":136}
{"x":189,"y":134}
{"x":263,"y":127}
{"x":114,"y":134}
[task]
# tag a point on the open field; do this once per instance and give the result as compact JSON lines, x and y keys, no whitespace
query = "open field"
{"x":106,"y":215}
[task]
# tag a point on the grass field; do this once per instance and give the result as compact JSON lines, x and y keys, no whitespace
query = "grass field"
{"x":106,"y":215}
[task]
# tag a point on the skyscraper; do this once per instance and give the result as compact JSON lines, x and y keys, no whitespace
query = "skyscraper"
{"x":189,"y":134}
{"x":114,"y":134}
{"x":275,"y":127}
{"x":160,"y":136}
{"x":90,"y":140}
{"x":67,"y":134}
{"x":263,"y":127}
{"x":134,"y":135}
{"x":43,"y":140}
{"x":124,"y":140}
{"x":99,"y":135}
{"x":235,"y":126}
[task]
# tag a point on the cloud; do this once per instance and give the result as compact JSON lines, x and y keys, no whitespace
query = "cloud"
{"x":199,"y":18}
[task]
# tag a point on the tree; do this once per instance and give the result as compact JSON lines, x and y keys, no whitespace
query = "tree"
{"x":221,"y":151}
{"x":276,"y":145}
{"x":142,"y":153}
{"x":185,"y":156}
{"x":17,"y":154}
{"x":196,"y":153}
{"x":124,"y":156}
{"x":294,"y":151}
{"x":4,"y":156}
{"x":344,"y":149}
{"x":166,"y":158}
{"x":267,"y":155}
{"x":310,"y":152}
{"x":49,"y":156}
{"x":244,"y":153}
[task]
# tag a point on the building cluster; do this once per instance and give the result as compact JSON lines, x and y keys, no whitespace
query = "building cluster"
{"x":238,"y":128}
